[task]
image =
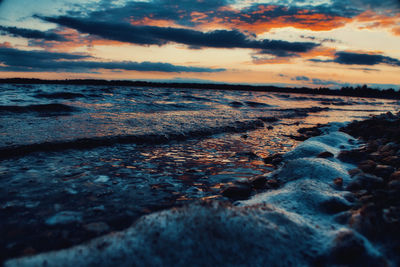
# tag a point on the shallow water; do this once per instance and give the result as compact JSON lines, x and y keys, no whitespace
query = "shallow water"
{"x":105,"y":154}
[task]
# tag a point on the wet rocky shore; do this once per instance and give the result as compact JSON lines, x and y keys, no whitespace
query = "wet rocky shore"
{"x":375,"y":188}
{"x":362,"y":203}
{"x":376,"y":181}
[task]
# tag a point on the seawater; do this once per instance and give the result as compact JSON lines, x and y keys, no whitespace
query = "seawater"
{"x":149,"y":149}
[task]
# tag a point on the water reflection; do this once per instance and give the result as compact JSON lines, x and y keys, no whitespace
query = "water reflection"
{"x":128,"y":180}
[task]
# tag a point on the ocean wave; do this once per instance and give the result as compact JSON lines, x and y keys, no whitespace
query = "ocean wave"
{"x":93,"y":142}
{"x":42,"y":109}
{"x":59,"y":95}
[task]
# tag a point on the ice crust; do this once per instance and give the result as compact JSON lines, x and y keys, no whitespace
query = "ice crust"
{"x":288,"y":226}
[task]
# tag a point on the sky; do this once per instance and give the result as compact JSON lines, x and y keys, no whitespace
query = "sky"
{"x":320,"y":43}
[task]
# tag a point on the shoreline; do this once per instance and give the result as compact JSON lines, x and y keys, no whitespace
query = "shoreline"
{"x":359,"y":91}
{"x":332,"y":208}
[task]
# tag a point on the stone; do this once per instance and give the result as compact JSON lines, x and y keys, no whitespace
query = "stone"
{"x":237,"y":192}
{"x":392,"y":160}
{"x":354,"y":186}
{"x":349,"y":249}
{"x":352,"y":156}
{"x":335,"y":205}
{"x":354,"y":172}
{"x":383,"y":171}
{"x":97,"y":227}
{"x":325,"y":154}
{"x":272,"y":183}
{"x":395,"y":176}
{"x":388,"y":147}
{"x":394,"y":185}
{"x":365,"y":181}
{"x":342,"y":217}
{"x":258,"y":182}
{"x":274,"y":159}
{"x":338,"y":182}
{"x":375,"y":156}
{"x":367,"y":165}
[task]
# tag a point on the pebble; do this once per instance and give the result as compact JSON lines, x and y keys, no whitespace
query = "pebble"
{"x":338,"y":182}
{"x":259,"y":182}
{"x":97,"y":227}
{"x":342,"y":217}
{"x":335,"y":205}
{"x":352,"y":156}
{"x":325,"y":154}
{"x":392,"y":160}
{"x":394,"y":185}
{"x":367,"y":165}
{"x":395,"y":176}
{"x":237,"y":191}
{"x":349,"y":249}
{"x":64,"y":217}
{"x":272,"y":183}
{"x":274,"y":159}
{"x":383,"y":171}
{"x":354,"y":172}
{"x":365,"y":181}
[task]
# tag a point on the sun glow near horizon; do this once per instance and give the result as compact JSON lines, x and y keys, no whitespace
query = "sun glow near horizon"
{"x":298,"y":43}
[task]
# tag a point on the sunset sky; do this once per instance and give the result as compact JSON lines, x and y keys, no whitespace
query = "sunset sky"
{"x":328,"y":43}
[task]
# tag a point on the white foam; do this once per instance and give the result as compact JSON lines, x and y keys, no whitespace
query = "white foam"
{"x":284,"y":227}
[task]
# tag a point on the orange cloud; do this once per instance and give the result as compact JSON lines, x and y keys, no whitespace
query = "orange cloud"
{"x":396,"y":31}
{"x":319,"y":52}
{"x":149,"y":21}
{"x":313,"y":22}
{"x":6,"y":44}
{"x":373,"y":20}
{"x":267,"y":17}
{"x":276,"y":60}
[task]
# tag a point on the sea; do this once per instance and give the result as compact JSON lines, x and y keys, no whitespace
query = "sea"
{"x":74,"y":156}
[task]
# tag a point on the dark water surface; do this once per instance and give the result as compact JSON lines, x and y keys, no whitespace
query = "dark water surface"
{"x":80,"y":161}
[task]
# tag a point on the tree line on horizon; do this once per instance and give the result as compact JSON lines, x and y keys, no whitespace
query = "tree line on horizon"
{"x":358,"y":91}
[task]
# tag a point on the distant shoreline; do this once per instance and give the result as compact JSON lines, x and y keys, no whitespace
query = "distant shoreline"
{"x":359,"y":91}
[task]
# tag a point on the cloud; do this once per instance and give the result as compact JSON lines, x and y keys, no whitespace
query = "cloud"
{"x":29,"y":33}
{"x":349,"y":58}
{"x":43,"y":61}
{"x":371,"y":4}
{"x":325,"y":82}
{"x":154,"y":35}
{"x":253,"y":16}
{"x":301,"y":78}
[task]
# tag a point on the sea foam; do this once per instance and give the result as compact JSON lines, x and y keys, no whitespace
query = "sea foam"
{"x":293,"y":225}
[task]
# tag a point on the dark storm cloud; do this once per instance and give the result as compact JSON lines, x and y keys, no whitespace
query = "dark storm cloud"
{"x":29,"y":33}
{"x":349,"y":58}
{"x":150,"y":35}
{"x":39,"y":61}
